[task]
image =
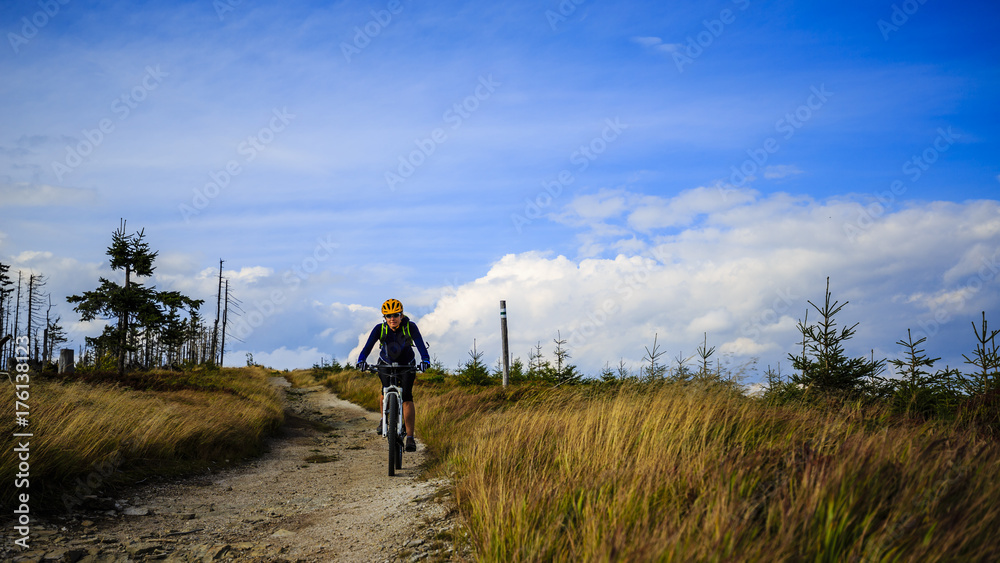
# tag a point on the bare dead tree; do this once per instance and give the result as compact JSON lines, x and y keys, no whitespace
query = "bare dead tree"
{"x":218,"y":307}
{"x":225,"y":313}
{"x":36,"y":282}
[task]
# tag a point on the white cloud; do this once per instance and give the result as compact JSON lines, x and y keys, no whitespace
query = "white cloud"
{"x":249,"y":275}
{"x":34,"y":195}
{"x":976,"y":260}
{"x":350,"y":324}
{"x":652,"y":212}
{"x":656,"y":44}
{"x":602,"y":212}
{"x":744,"y":346}
{"x":603,"y":205}
{"x":648,"y":41}
{"x":712,"y":321}
{"x":29,"y":256}
{"x":778,"y":171}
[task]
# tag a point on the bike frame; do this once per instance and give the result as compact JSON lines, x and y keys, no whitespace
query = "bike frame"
{"x":398,"y":392}
{"x":393,"y":371}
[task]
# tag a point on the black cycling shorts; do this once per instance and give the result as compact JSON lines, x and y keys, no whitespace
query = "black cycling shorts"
{"x":406,"y":380}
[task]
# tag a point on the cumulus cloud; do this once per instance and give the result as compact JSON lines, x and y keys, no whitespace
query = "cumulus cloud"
{"x":350,"y":324}
{"x":652,"y":212}
{"x":743,"y":274}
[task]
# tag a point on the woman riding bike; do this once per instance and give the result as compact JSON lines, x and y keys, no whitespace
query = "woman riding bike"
{"x":396,"y":335}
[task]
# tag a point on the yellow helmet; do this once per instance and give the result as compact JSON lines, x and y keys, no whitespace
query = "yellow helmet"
{"x":392,"y":306}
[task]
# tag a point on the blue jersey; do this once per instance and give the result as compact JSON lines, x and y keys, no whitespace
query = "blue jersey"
{"x":396,"y":345}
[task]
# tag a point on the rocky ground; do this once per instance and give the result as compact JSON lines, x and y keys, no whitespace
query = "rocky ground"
{"x":321,"y":494}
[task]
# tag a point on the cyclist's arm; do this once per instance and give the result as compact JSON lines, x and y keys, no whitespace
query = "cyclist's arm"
{"x":419,"y":341}
{"x":372,"y":339}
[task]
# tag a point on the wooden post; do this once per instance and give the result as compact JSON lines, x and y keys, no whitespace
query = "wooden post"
{"x":66,"y":360}
{"x":503,"y":338}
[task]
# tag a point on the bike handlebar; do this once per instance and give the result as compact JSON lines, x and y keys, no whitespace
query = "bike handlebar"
{"x":373,"y":368}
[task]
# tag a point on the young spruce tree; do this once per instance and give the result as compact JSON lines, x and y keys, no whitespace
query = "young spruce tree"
{"x":823,"y":365}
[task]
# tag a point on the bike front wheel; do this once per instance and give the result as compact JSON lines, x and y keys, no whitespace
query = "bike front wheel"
{"x":399,"y":448}
{"x":392,"y":431}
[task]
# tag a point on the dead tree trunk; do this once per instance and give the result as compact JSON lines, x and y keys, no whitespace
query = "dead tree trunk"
{"x":225,"y":314}
{"x":218,"y":306}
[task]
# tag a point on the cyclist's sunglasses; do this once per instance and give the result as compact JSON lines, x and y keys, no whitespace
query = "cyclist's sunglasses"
{"x":394,"y":316}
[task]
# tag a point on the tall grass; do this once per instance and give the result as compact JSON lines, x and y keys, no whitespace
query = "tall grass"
{"x":127,"y":432}
{"x":681,"y":473}
{"x":689,"y":475}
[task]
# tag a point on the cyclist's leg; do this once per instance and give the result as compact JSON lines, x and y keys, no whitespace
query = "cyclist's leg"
{"x":409,"y":411}
{"x":409,"y":417}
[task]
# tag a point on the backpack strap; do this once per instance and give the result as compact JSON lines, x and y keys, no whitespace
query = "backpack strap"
{"x":406,"y":332}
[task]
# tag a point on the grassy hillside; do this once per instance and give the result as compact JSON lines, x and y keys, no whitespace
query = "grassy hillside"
{"x":583,"y":472}
{"x":98,"y":430}
{"x":670,"y":472}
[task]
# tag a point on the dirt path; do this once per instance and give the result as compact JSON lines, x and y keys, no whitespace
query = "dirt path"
{"x":320,"y":494}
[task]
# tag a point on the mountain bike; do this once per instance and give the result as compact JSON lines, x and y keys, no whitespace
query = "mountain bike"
{"x":393,"y":426}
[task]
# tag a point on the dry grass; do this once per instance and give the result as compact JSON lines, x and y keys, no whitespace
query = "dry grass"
{"x":675,"y":474}
{"x":302,"y":377}
{"x":671,"y":473}
{"x":81,"y":430}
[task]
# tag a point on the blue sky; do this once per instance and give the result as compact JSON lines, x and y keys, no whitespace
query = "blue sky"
{"x":614,"y":171}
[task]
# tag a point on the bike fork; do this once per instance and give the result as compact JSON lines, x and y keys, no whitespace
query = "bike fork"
{"x":401,"y":426}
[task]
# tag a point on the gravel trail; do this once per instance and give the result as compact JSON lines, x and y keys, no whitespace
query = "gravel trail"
{"x":321,"y":493}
